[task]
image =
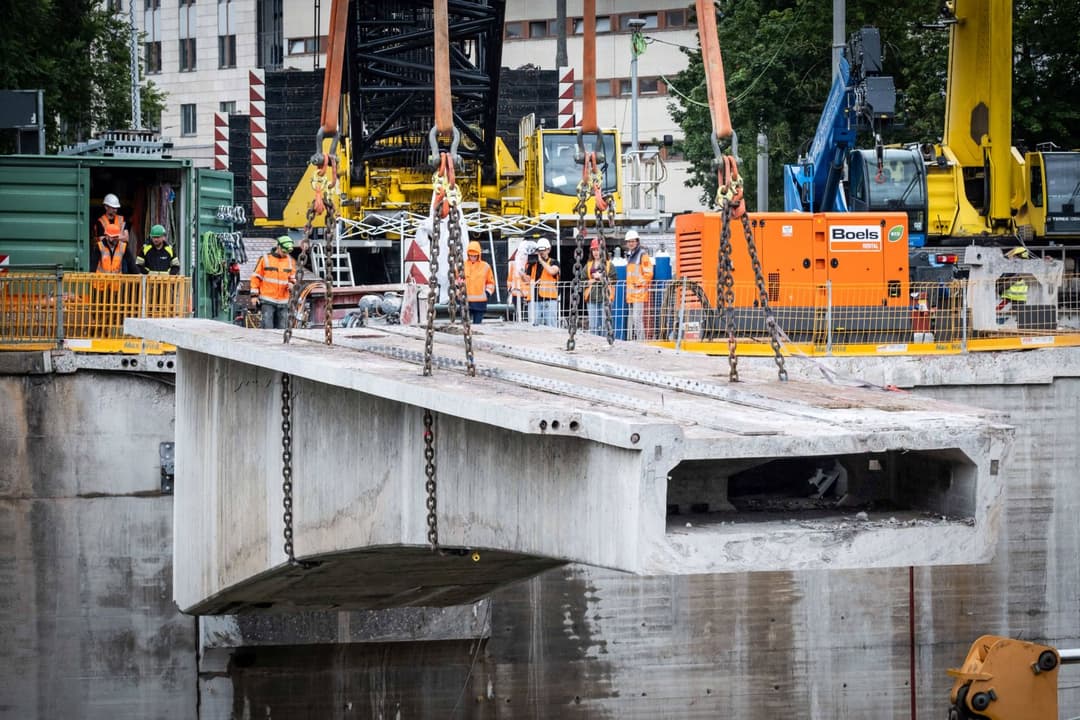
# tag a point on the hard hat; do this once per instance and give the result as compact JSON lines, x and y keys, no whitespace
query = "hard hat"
{"x":595,"y":244}
{"x":631,"y":235}
{"x":285,"y":243}
{"x":474,"y":248}
{"x":157,"y":231}
{"x":543,"y":244}
{"x":111,"y":201}
{"x":1018,"y":252}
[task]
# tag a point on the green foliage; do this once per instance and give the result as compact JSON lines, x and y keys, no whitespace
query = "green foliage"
{"x":78,"y":53}
{"x":777,"y":61}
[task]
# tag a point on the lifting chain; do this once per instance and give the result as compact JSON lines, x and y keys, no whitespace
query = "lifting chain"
{"x":725,"y":291}
{"x":433,"y":284}
{"x":301,"y":262}
{"x":430,"y":485}
{"x":323,"y":185}
{"x":445,"y":203}
{"x":329,"y":243}
{"x":729,"y":194}
{"x":592,"y":182}
{"x":286,"y":465}
{"x":770,"y":319}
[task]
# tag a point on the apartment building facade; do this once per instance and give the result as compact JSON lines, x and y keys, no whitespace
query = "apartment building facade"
{"x":201,"y":52}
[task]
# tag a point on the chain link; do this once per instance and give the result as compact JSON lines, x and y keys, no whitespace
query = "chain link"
{"x":609,"y":322}
{"x":286,"y":465}
{"x":301,"y":262}
{"x":575,"y":286}
{"x":433,"y":288}
{"x":725,"y":291}
{"x":329,"y":238}
{"x":430,"y":485}
{"x":763,"y":293}
{"x":457,"y":284}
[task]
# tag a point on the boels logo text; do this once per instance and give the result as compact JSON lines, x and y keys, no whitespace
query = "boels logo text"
{"x":854,"y":238}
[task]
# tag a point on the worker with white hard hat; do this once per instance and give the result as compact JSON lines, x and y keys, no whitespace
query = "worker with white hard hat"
{"x":544,"y":275}
{"x":639,"y":274}
{"x":110,"y":249}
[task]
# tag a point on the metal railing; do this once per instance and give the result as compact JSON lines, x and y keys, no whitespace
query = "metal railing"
{"x":829,"y":317}
{"x":49,"y":309}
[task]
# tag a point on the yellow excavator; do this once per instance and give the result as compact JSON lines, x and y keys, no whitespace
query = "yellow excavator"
{"x":1006,"y":679}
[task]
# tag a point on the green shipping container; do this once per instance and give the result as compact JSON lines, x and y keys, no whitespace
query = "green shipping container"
{"x":48,"y":203}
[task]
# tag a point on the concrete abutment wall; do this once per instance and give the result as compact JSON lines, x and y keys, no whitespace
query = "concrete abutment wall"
{"x":85,"y":614}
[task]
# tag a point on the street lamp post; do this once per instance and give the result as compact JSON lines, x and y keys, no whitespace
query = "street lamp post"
{"x":636,"y":24}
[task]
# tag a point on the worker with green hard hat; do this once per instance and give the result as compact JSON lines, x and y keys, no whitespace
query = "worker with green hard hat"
{"x":271,"y":284}
{"x":157,"y":257}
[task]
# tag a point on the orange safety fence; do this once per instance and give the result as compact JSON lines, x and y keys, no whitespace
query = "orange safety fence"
{"x":37,"y":308}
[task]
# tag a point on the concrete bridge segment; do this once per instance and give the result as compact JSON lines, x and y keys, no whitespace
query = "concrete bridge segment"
{"x":627,"y":457}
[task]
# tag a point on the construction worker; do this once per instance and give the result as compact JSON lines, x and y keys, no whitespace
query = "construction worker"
{"x":596,"y":271}
{"x":157,"y":256}
{"x":544,"y":275}
{"x":479,"y":283}
{"x":109,"y":247}
{"x":272,"y":282}
{"x":1014,"y":288}
{"x":639,"y":274}
{"x":517,"y":278}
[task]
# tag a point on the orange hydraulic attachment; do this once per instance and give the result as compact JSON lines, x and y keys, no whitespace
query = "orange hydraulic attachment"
{"x":1006,"y":679}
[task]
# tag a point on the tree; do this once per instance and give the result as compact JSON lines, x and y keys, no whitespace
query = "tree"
{"x":77,"y":52}
{"x":777,"y":58}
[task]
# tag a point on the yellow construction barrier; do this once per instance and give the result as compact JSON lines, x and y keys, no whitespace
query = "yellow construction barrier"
{"x":86,"y":311}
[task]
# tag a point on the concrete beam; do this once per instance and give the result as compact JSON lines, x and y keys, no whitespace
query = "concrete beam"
{"x":627,"y":457}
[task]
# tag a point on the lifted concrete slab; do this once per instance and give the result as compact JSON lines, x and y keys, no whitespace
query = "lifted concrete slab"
{"x":628,"y":457}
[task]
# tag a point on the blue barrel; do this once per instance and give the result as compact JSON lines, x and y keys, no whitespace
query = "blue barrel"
{"x":662,"y":274}
{"x":618,"y":305}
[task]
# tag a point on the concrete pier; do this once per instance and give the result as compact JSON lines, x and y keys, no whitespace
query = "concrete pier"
{"x":625,"y":457}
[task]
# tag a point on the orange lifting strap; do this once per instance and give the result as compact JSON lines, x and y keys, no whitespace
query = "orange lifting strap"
{"x":588,"y":82}
{"x":714,"y":69}
{"x":335,"y":53}
{"x":444,"y":113}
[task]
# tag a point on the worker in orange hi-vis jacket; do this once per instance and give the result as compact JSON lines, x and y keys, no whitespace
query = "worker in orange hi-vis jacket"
{"x":479,"y":283}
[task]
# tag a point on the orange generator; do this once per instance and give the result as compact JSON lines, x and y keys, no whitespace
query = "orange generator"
{"x":839,"y":273}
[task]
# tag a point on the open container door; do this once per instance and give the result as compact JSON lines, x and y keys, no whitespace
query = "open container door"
{"x":205,"y":259}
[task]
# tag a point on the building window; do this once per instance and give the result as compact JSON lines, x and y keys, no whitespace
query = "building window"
{"x":187,"y":54}
{"x":675,"y":18}
{"x":116,"y":6}
{"x":229,"y":107}
{"x":152,"y":57}
{"x":513,"y":31}
{"x":307,"y":46}
{"x":188,"y":126}
{"x":649,"y":86}
{"x":186,"y":3}
{"x":603,"y":25}
{"x":652,"y":20}
{"x":603,"y":88}
{"x":226,"y":51}
{"x":538,"y":28}
{"x":153,"y":4}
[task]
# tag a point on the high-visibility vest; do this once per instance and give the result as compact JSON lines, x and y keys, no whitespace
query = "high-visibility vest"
{"x":639,"y":272}
{"x":272,"y":277}
{"x":589,"y":286}
{"x":117,"y":224}
{"x":1017,"y":291}
{"x":547,"y":285}
{"x":479,"y":280}
{"x":112,"y":258}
